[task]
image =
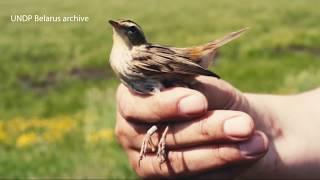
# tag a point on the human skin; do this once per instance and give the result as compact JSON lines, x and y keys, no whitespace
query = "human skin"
{"x":217,"y":131}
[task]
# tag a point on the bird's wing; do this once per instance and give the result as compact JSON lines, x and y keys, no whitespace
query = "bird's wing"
{"x":158,"y":59}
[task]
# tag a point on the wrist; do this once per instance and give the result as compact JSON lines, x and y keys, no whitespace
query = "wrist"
{"x":264,"y":109}
{"x":290,"y":123}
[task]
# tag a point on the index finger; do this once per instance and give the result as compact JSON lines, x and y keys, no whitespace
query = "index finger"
{"x":172,"y":103}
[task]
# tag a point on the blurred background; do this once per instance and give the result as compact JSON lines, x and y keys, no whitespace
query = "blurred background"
{"x":57,"y":91}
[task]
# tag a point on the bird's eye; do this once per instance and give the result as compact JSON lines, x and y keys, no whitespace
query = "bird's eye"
{"x":132,"y":30}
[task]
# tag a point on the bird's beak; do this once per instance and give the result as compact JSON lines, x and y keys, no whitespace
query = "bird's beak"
{"x":115,"y":24}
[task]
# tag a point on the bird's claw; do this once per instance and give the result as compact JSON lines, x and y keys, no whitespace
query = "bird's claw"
{"x":161,"y":153}
{"x":147,"y":141}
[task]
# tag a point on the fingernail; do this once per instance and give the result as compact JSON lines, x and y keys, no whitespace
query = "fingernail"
{"x":254,"y":147}
{"x":193,"y":105}
{"x":238,"y":127}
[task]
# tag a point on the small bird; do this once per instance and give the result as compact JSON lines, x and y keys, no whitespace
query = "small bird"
{"x":147,"y":68}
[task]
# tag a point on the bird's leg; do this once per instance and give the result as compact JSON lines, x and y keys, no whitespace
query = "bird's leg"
{"x":147,"y":141}
{"x":161,"y":153}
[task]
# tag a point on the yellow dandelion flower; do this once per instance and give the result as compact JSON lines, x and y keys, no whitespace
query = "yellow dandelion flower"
{"x":57,"y":128}
{"x":3,"y":136}
{"x":64,"y":124}
{"x":26,"y":139}
{"x":103,"y":135}
{"x":16,"y":131}
{"x":38,"y":123}
{"x":17,"y":125}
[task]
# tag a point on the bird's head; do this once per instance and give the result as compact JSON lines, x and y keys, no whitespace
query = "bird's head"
{"x":127,"y":32}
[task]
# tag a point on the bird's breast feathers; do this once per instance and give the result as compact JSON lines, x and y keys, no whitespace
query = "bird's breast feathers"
{"x":120,"y":58}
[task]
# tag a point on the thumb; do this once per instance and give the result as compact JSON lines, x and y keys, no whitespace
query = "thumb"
{"x":220,"y":94}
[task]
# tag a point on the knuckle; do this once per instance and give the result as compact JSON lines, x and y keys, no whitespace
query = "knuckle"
{"x":204,"y":127}
{"x":125,"y":107}
{"x":126,"y":110}
{"x":120,"y":133}
{"x":123,"y":137}
{"x":176,"y":160}
{"x":221,"y":156}
{"x":207,"y":127}
{"x":226,"y":153}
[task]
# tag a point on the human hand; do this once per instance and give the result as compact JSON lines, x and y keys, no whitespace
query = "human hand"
{"x":209,"y":130}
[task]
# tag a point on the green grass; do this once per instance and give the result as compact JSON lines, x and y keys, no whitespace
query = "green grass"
{"x":52,"y":69}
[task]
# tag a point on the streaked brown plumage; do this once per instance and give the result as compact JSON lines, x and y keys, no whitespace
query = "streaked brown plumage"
{"x":148,"y":68}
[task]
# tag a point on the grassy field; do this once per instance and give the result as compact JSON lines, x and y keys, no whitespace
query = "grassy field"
{"x":57,"y":104}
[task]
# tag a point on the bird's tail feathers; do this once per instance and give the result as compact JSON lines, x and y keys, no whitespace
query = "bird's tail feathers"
{"x":224,"y":40}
